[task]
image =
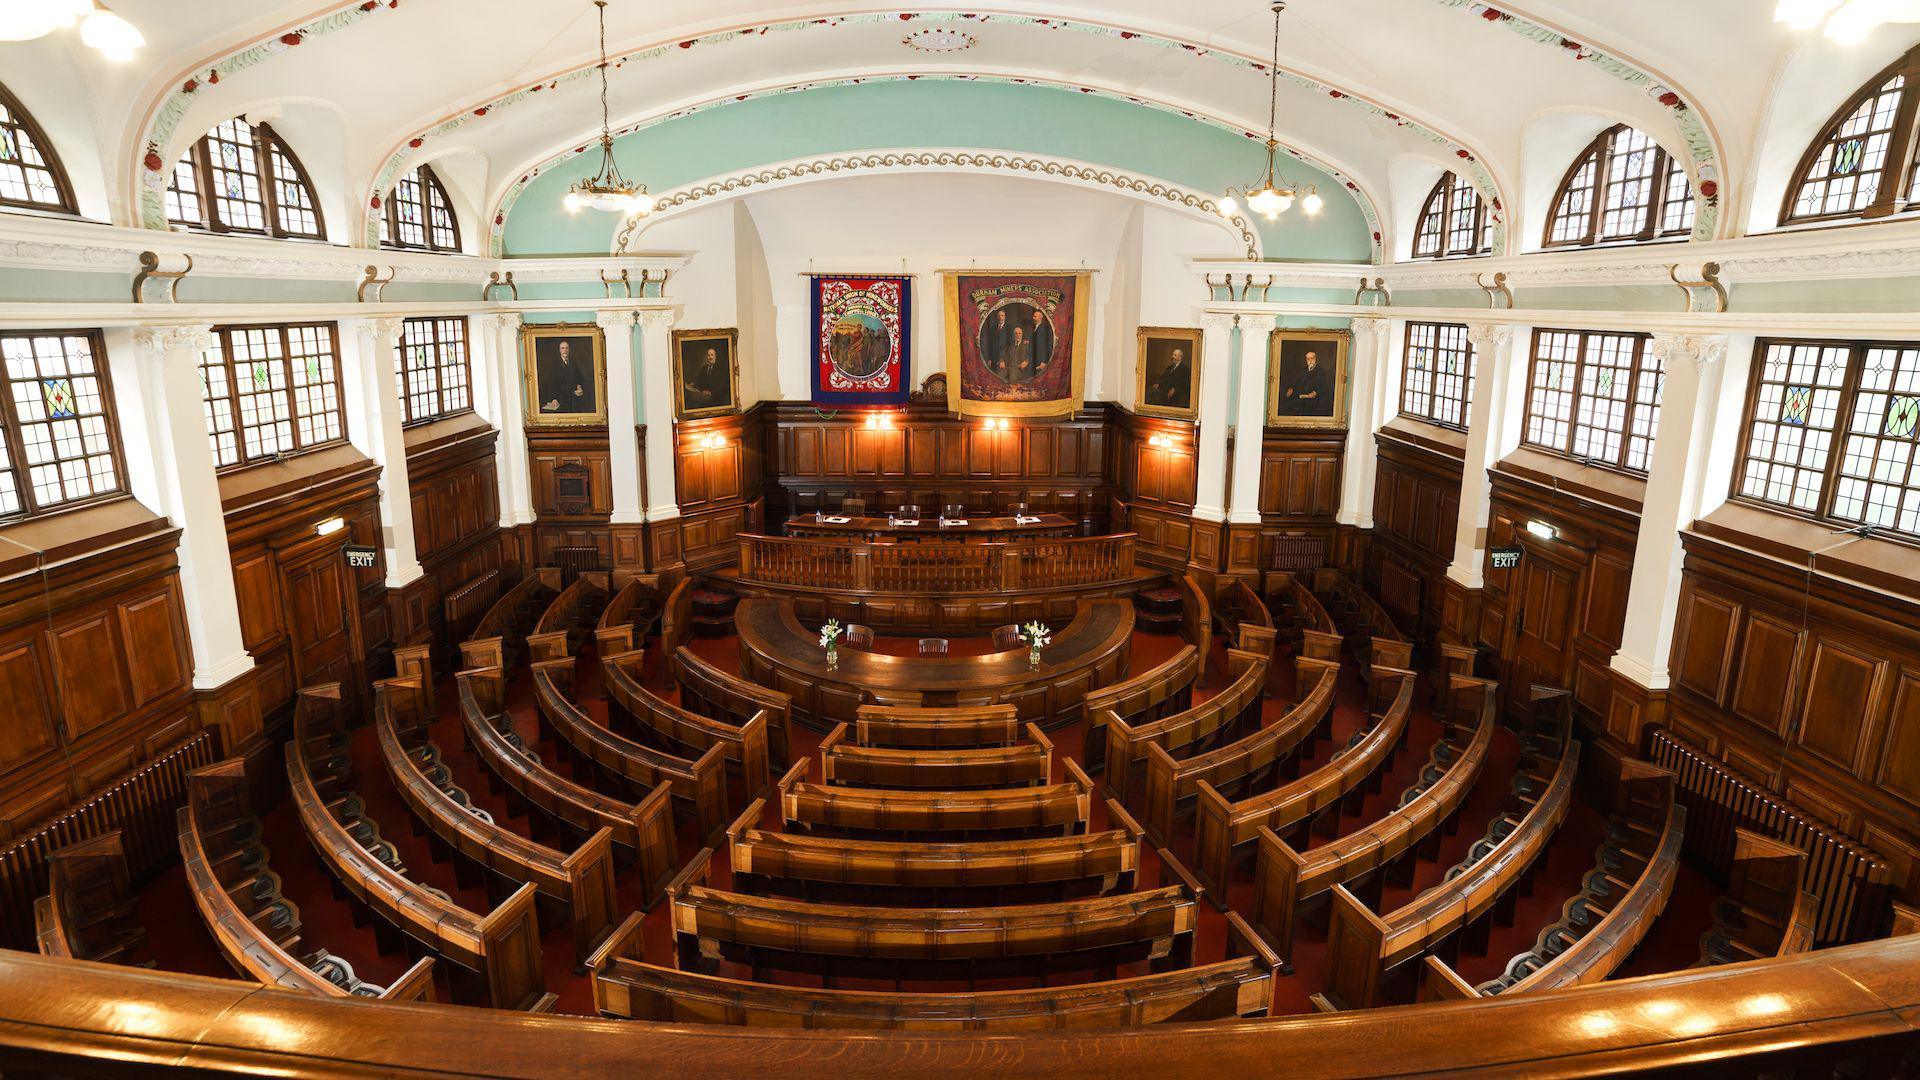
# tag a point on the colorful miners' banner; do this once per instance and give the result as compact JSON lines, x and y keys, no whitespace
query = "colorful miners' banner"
{"x":1016,"y":341}
{"x":862,"y":340}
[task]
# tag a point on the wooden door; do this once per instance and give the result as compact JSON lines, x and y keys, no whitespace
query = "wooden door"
{"x":1541,"y":609}
{"x":322,"y":618}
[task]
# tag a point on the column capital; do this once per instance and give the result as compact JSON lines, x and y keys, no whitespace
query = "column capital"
{"x":1488,"y":338}
{"x":156,"y":342}
{"x":385,"y":328}
{"x":1703,"y":351}
{"x":499,"y":321}
{"x":1219,"y":321}
{"x":614,"y":320}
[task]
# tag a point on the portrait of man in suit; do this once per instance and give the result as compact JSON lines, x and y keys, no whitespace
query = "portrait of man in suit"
{"x":1308,"y":379}
{"x":566,"y":376}
{"x":1167,"y":372}
{"x":704,"y":373}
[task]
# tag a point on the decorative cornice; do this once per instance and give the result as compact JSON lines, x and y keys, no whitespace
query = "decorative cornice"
{"x":987,"y":161}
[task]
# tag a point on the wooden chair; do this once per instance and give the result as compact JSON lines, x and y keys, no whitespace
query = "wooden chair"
{"x":1006,"y":638}
{"x":859,"y":637}
{"x":953,"y":510}
{"x":853,"y":507}
{"x":933,"y":646}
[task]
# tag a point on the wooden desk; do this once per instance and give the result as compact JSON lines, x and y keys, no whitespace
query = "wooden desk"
{"x":979,"y":527}
{"x":778,"y":652}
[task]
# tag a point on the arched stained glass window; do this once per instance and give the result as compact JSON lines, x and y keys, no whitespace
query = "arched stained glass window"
{"x":242,"y":178}
{"x":1453,"y":222}
{"x":1623,"y":186}
{"x":1866,"y":162}
{"x":30,"y":174}
{"x":419,"y":215}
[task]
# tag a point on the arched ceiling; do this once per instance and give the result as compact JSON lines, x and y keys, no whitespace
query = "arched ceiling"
{"x":1371,"y":85}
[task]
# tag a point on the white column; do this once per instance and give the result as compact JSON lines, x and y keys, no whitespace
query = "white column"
{"x":656,"y":397}
{"x":1678,"y":480}
{"x":170,"y":469}
{"x":502,"y":334}
{"x":620,"y":329}
{"x":1249,"y":421}
{"x":1494,"y":419}
{"x":375,"y":425}
{"x":1216,"y":392}
{"x":1368,"y":406}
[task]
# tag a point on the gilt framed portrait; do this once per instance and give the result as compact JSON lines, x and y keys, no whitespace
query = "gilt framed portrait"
{"x":1167,"y":373}
{"x":1016,"y":341}
{"x":1307,"y":378}
{"x":565,"y":370}
{"x":706,"y":373}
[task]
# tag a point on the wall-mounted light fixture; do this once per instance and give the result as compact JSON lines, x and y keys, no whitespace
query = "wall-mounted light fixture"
{"x":1543,"y":530}
{"x":995,"y":423}
{"x":1164,"y":442}
{"x":709,"y":442}
{"x":879,"y":421}
{"x":330,"y":526}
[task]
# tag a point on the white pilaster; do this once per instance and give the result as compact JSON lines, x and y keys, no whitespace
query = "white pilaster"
{"x":376,"y":420}
{"x":1691,"y":413}
{"x":170,"y":468}
{"x":1494,"y":419}
{"x":1249,"y":422}
{"x":656,"y":396}
{"x":620,"y":329}
{"x":1369,"y":405}
{"x":1216,"y":389}
{"x":501,"y":332}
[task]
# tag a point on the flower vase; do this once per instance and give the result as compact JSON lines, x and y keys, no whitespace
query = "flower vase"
{"x":833,"y":658}
{"x":1033,"y":657}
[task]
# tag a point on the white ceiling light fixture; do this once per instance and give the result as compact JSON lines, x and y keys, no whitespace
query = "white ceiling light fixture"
{"x":1846,"y":21}
{"x":100,"y":28}
{"x":607,"y":189}
{"x":1271,"y":196}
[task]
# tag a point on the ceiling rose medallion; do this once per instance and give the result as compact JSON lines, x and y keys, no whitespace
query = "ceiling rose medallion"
{"x":940,"y":39}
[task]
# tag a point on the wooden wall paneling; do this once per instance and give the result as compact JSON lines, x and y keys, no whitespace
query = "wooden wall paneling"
{"x":1840,"y":710}
{"x":1416,"y":510}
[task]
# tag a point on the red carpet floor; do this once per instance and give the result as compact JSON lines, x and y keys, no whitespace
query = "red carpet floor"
{"x":180,"y":942}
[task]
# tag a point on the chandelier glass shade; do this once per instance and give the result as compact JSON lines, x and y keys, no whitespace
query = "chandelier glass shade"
{"x":608,"y":189}
{"x":100,"y":28}
{"x":1270,"y":195}
{"x":1846,"y":21}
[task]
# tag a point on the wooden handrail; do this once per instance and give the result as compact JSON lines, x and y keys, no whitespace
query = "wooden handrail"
{"x":935,"y":567}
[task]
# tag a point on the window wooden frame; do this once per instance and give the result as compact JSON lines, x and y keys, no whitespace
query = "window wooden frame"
{"x":430,"y":187}
{"x":1900,"y":182}
{"x":15,"y":439}
{"x":1441,"y":203}
{"x":63,"y":186}
{"x":1432,"y":395}
{"x":224,"y":334}
{"x":439,"y":343}
{"x":1823,"y":511}
{"x":1600,"y":152}
{"x":266,"y":144}
{"x":1643,"y":358}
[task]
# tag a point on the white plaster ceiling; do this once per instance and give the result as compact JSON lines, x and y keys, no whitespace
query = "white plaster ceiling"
{"x":398,"y":72}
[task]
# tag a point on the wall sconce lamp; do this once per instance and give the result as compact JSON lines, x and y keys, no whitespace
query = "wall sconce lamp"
{"x":879,"y":421}
{"x":1543,"y":530}
{"x":709,"y":442}
{"x":1164,"y":442}
{"x":995,"y":423}
{"x":330,"y":526}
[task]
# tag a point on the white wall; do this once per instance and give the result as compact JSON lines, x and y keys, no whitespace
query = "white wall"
{"x":751,"y":257}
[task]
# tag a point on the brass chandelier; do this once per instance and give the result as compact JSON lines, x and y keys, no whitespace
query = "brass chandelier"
{"x":1270,"y":196}
{"x":607,"y":189}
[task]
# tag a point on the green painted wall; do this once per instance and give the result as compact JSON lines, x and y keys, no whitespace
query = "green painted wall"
{"x":901,"y":114}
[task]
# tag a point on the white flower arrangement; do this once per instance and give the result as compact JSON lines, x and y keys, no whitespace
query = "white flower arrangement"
{"x":829,"y":633}
{"x":1036,"y":635}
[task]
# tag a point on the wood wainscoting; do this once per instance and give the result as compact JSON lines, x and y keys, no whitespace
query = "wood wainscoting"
{"x":1807,"y":684}
{"x":570,"y":471}
{"x":455,"y":494}
{"x":1556,"y":619}
{"x":719,"y":472}
{"x":1155,"y":473}
{"x":1416,"y":508}
{"x":96,"y":677}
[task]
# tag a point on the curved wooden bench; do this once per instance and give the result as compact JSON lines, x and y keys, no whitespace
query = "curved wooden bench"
{"x":708,"y":924}
{"x":687,"y":733}
{"x":501,"y":633}
{"x":1284,"y":879}
{"x":632,"y":612}
{"x":1196,"y":621}
{"x":1021,"y":765}
{"x":1140,"y":700}
{"x":1766,"y":910}
{"x":1300,"y":618}
{"x":958,"y":726}
{"x":249,"y":948}
{"x":581,"y":882}
{"x":1173,"y":784}
{"x":716,"y":695}
{"x":563,"y":624}
{"x":676,"y":625}
{"x":626,"y":987}
{"x":1059,"y":809}
{"x":781,"y":863}
{"x":1377,"y":643}
{"x":700,"y":784}
{"x":1243,"y":618}
{"x":1234,"y":708}
{"x":1364,"y":949}
{"x":501,"y":948}
{"x":1223,"y":826}
{"x":89,"y":912}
